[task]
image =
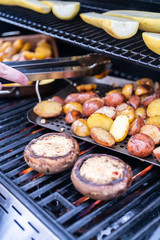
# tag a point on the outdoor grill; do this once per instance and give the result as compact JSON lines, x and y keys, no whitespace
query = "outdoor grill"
{"x":38,"y":206}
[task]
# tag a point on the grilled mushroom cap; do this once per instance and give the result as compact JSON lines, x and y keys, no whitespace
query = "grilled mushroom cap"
{"x":101,"y":176}
{"x":51,"y":153}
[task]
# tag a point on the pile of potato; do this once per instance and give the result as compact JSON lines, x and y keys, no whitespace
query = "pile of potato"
{"x":133,"y":110}
{"x":22,"y":51}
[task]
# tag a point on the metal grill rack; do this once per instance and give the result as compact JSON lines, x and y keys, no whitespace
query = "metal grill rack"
{"x":81,"y":34}
{"x":54,"y":201}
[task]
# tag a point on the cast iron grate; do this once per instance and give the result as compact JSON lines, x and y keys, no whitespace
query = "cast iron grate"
{"x":53,"y":199}
{"x":83,"y":35}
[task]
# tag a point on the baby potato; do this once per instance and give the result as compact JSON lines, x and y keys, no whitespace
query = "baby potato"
{"x":91,"y":105}
{"x":136,"y":125}
{"x":29,"y":55}
{"x":108,"y":111}
{"x":153,"y":108}
{"x":154,"y":120}
{"x":80,"y":128}
{"x":143,"y":89}
{"x":127,"y":90}
{"x":145,"y":81}
{"x":42,"y":52}
{"x":47,"y":109}
{"x":125,"y":109}
{"x":152,"y":131}
{"x":18,"y":44}
{"x":5,"y":45}
{"x":86,"y":87}
{"x":26,"y":47}
{"x":141,"y":112}
{"x":114,"y":99}
{"x":120,"y":127}
{"x":117,"y":90}
{"x":134,"y":101}
{"x":72,"y":106}
{"x":99,"y":120}
{"x":147,"y":100}
{"x":156,"y":153}
{"x":72,"y":116}
{"x":58,"y":99}
{"x":102,"y":137}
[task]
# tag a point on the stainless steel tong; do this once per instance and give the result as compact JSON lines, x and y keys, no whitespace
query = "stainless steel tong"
{"x":64,"y":67}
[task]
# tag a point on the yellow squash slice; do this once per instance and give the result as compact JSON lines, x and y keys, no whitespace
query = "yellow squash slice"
{"x":152,"y":41}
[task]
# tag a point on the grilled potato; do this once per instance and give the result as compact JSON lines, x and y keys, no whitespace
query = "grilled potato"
{"x":140,"y":145}
{"x":127,"y":90}
{"x":48,"y":109}
{"x":145,"y":81}
{"x":148,"y":99}
{"x":154,"y":120}
{"x":136,"y":125}
{"x":108,"y":111}
{"x":152,"y":131}
{"x":80,"y":97}
{"x":125,"y":109}
{"x":120,"y":127}
{"x":102,"y":137}
{"x":91,"y":105}
{"x":72,"y":116}
{"x":80,"y":128}
{"x":141,"y":112}
{"x":58,"y":99}
{"x":114,"y":99}
{"x":99,"y":120}
{"x":117,"y":90}
{"x":72,"y":106}
{"x":153,"y":108}
{"x":134,"y":101}
{"x":156,"y":153}
{"x":86,"y":87}
{"x":143,"y":89}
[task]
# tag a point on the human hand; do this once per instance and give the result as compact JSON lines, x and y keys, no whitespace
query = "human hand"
{"x":12,"y":75}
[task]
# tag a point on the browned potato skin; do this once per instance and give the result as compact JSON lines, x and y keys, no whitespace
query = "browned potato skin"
{"x":147,"y":100}
{"x":134,"y":101}
{"x":72,"y":116}
{"x":140,"y":111}
{"x":127,"y":90}
{"x":80,"y":97}
{"x":145,"y":81}
{"x":58,"y":99}
{"x":102,"y":137}
{"x":80,"y":128}
{"x":140,"y":145}
{"x":72,"y":106}
{"x":136,"y":125}
{"x":86,"y":87}
{"x":91,"y":106}
{"x":143,"y":89}
{"x":156,"y":153}
{"x":114,"y":99}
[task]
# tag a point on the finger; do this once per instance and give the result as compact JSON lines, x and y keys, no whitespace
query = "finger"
{"x":12,"y":74}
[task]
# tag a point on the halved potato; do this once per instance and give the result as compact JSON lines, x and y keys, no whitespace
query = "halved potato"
{"x":134,"y":101}
{"x":108,"y":111}
{"x":72,"y":106}
{"x":145,"y":81}
{"x":117,"y":90}
{"x":143,"y":89}
{"x":114,"y":99}
{"x":154,"y":120}
{"x":127,"y":90}
{"x":156,"y":153}
{"x":141,"y":112}
{"x":48,"y":109}
{"x":153,"y":108}
{"x":86,"y":87}
{"x":80,"y":128}
{"x":152,"y":131}
{"x":147,"y":100}
{"x":125,"y":109}
{"x":102,"y":137}
{"x":99,"y":120}
{"x":136,"y":125}
{"x":120,"y":127}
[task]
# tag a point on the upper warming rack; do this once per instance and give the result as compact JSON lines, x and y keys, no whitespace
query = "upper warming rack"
{"x":79,"y":33}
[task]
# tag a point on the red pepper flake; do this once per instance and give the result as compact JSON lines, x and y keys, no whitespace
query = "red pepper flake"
{"x":10,"y":150}
{"x":116,"y":173}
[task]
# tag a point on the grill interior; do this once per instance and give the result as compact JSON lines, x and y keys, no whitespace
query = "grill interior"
{"x":81,"y":34}
{"x":53,"y":198}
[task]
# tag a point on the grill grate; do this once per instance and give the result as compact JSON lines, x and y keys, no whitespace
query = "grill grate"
{"x":83,"y":35}
{"x":53,"y":198}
